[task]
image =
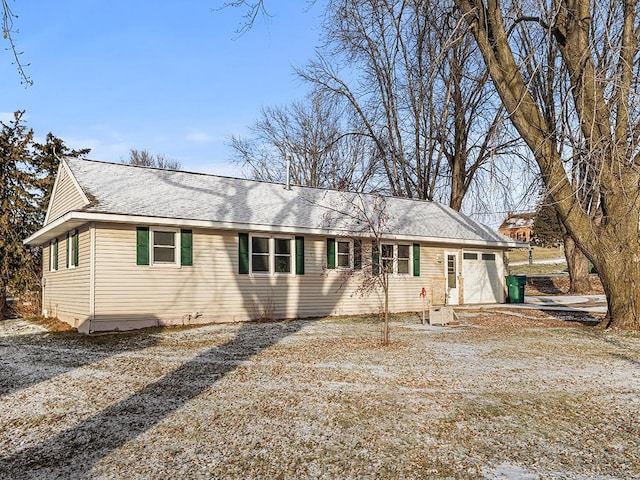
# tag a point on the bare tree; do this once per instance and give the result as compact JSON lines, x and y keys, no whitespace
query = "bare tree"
{"x":144,"y":158}
{"x":364,"y":218}
{"x":474,"y":136}
{"x":423,"y":98}
{"x":314,"y":136}
{"x":598,"y":52}
{"x":8,"y":30}
{"x":549,"y":83}
{"x":252,"y":10}
{"x":381,"y":76}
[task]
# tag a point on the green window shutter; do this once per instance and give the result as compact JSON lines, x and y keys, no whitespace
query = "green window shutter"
{"x":299,"y":255}
{"x":375,"y":259}
{"x":331,"y":253}
{"x":76,"y":250}
{"x":68,"y":252}
{"x":186,"y":248}
{"x":142,"y":245}
{"x":416,"y":259}
{"x":243,"y":253}
{"x":357,"y":254}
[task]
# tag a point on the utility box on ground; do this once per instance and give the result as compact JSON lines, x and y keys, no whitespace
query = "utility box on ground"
{"x":440,"y":315}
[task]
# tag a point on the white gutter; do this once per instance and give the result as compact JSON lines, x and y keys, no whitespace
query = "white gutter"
{"x":74,"y":219}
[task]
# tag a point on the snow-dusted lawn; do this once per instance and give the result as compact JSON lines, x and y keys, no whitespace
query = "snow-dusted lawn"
{"x":501,"y":397}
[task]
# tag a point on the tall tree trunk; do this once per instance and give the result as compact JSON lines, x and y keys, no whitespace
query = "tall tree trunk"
{"x":608,"y":234}
{"x":458,"y":177}
{"x":578,"y":267}
{"x":620,"y":275}
{"x":385,"y":330}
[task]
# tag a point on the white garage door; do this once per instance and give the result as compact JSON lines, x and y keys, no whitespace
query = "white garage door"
{"x":482,"y":272}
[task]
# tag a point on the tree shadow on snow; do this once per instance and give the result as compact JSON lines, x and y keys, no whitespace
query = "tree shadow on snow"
{"x":585,"y":318}
{"x":73,"y":452}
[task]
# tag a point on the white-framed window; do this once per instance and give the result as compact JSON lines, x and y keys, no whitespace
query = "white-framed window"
{"x":282,"y":255}
{"x":403,"y":262}
{"x":271,"y":255}
{"x":344,"y":254}
{"x":395,"y":258}
{"x":260,"y":254}
{"x":164,"y":246}
{"x":53,"y":255}
{"x":386,"y":257}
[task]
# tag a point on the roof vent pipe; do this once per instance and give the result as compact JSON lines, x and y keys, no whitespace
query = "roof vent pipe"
{"x":287,"y":184}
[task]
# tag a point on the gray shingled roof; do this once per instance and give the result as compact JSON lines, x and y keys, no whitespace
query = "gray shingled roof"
{"x":141,"y":191}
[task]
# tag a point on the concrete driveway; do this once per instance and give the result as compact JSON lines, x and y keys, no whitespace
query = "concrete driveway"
{"x":580,"y":303}
{"x":563,"y":303}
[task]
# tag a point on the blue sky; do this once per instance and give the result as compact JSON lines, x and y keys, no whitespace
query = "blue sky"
{"x":170,"y":77}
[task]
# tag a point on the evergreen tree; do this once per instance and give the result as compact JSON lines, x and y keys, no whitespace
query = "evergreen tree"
{"x":19,"y":207}
{"x":46,"y":160}
{"x":546,"y":226}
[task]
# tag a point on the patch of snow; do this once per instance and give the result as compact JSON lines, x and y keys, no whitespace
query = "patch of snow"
{"x":509,"y":472}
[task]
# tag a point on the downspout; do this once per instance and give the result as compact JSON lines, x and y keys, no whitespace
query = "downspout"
{"x":43,"y":309}
{"x":92,"y":274}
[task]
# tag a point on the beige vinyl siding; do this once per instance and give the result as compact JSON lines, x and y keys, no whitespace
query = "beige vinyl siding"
{"x":66,"y":291}
{"x":128,"y":295}
{"x":433,"y":271}
{"x":66,"y":197}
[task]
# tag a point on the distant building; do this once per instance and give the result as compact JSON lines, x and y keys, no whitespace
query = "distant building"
{"x":519,"y":226}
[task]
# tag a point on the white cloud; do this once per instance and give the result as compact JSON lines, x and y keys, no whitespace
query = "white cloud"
{"x":198,"y":136}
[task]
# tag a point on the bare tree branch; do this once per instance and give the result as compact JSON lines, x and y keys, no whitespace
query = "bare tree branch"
{"x":8,"y":30}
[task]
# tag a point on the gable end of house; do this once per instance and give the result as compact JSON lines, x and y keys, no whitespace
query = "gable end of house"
{"x":67,"y":195}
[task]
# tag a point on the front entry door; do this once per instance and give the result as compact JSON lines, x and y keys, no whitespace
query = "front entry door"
{"x":451,"y":275}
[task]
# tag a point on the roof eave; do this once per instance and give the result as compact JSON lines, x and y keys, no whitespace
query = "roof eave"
{"x":54,"y":229}
{"x":76,"y":218}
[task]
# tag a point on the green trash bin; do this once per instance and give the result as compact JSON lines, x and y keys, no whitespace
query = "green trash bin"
{"x":515,"y":288}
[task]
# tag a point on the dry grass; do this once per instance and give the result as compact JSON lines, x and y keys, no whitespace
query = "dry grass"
{"x":539,"y":269}
{"x":51,"y":324}
{"x":539,"y":253}
{"x":505,"y":395}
